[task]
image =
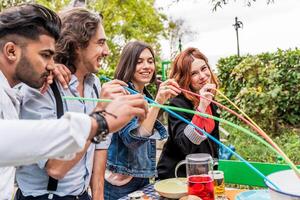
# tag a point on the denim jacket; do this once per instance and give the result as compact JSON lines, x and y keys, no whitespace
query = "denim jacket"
{"x":134,"y":155}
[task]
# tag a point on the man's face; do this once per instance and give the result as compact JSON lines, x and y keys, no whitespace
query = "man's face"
{"x":92,"y":56}
{"x":35,"y":57}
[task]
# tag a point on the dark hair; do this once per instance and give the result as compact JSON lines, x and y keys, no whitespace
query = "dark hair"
{"x":129,"y":58}
{"x":29,"y":21}
{"x":79,"y":25}
{"x":181,"y":70}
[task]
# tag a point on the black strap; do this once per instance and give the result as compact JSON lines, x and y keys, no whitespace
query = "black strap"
{"x":58,"y":100}
{"x":96,"y":91}
{"x":52,"y":182}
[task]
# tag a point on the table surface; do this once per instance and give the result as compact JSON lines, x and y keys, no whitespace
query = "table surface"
{"x":150,"y":192}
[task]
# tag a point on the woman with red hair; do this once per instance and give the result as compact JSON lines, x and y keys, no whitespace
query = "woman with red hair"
{"x":192,"y":72}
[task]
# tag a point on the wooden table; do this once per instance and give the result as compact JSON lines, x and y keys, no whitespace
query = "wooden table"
{"x":150,"y":192}
{"x":231,"y":193}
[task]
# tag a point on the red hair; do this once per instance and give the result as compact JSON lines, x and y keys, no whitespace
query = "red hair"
{"x":181,"y":71}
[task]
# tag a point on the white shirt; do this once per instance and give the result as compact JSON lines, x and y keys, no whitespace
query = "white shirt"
{"x":24,"y":142}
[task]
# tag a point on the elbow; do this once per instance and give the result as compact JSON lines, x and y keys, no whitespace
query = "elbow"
{"x":56,"y":173}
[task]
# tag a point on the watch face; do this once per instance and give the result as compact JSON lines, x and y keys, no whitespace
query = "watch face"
{"x":97,"y":139}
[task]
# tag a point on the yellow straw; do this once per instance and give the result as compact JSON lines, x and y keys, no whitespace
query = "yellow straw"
{"x":289,"y":162}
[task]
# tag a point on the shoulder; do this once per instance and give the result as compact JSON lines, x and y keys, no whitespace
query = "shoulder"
{"x":181,"y":101}
{"x":96,"y":81}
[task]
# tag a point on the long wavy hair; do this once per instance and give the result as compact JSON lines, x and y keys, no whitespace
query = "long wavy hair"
{"x":181,"y":71}
{"x":78,"y":26}
{"x":129,"y":58}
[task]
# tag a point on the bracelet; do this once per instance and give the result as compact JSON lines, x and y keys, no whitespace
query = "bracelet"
{"x":102,"y":130}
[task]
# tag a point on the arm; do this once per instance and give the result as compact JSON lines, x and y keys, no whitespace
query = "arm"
{"x":167,"y":89}
{"x":58,"y":168}
{"x":178,"y":128}
{"x":97,"y":181}
{"x":43,"y":138}
{"x":53,"y":138}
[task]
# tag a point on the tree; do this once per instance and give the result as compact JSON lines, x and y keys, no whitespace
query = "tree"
{"x":219,"y":3}
{"x":178,"y":30}
{"x":123,"y":21}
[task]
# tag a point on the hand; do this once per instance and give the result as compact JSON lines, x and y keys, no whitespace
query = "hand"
{"x":60,"y":72}
{"x":125,"y":108}
{"x":111,"y":90}
{"x":167,"y":89}
{"x":207,"y":92}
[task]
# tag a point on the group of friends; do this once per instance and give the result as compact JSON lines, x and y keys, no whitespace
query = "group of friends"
{"x":44,"y":57}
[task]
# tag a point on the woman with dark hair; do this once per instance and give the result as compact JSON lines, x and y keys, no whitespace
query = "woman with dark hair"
{"x":131,"y":155}
{"x":192,"y":72}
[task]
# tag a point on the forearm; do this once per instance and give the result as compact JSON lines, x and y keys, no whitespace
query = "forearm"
{"x":147,"y":126}
{"x":50,"y":138}
{"x":97,"y":180}
{"x":59,"y":168}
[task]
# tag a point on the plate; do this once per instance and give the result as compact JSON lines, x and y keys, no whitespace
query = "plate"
{"x":253,"y":195}
{"x":173,"y":188}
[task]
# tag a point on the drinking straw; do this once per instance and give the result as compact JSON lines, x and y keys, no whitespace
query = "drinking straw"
{"x":265,"y":135}
{"x":252,"y":125}
{"x":207,"y":135}
{"x":187,"y":111}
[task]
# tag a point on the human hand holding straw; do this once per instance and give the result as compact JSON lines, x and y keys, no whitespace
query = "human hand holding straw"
{"x":207,"y":92}
{"x":167,"y":89}
{"x":130,"y":105}
{"x":112,"y":90}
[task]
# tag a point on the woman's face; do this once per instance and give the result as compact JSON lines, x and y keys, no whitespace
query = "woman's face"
{"x":200,"y":74}
{"x":145,"y":68}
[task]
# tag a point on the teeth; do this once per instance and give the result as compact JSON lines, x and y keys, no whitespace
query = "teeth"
{"x":102,"y":63}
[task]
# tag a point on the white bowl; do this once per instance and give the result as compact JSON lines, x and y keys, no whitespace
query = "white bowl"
{"x":288,"y":183}
{"x":173,"y":188}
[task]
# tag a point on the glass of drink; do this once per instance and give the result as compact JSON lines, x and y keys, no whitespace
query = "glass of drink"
{"x":199,"y":168}
{"x":219,"y":185}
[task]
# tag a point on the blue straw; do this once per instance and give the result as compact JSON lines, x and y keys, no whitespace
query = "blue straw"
{"x":205,"y":133}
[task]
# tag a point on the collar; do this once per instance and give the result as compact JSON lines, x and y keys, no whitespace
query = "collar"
{"x":3,"y":80}
{"x":88,"y":79}
{"x":145,"y":91}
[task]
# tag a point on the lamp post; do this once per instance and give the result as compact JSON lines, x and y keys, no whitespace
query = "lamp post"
{"x":237,"y":25}
{"x":180,"y":45}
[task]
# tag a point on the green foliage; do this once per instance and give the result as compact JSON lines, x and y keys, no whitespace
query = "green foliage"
{"x":265,"y":86}
{"x":123,"y":21}
{"x":128,"y":20}
{"x":250,"y":149}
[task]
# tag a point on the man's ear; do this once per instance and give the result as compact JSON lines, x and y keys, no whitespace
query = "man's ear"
{"x":11,"y":51}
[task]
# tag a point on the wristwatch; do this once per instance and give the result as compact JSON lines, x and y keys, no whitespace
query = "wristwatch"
{"x":102,"y":130}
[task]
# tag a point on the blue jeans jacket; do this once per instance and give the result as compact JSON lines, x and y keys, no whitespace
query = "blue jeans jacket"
{"x":133,"y":155}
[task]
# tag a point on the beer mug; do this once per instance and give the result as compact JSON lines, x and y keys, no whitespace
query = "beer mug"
{"x":199,"y":167}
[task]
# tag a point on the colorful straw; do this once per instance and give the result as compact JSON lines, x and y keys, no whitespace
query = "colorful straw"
{"x":206,"y":134}
{"x":187,"y":111}
{"x":252,"y":124}
{"x":265,"y":135}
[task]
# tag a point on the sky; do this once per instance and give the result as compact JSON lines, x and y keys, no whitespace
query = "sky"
{"x":266,"y":27}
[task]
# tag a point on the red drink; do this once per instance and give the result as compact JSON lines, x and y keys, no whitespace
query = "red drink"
{"x":201,"y":186}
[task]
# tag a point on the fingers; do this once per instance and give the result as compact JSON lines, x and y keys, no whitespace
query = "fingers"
{"x":111,"y":91}
{"x":118,"y":82}
{"x":44,"y":88}
{"x":208,"y":95}
{"x":62,"y":74}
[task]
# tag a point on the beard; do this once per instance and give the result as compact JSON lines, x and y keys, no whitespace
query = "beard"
{"x":25,"y":73}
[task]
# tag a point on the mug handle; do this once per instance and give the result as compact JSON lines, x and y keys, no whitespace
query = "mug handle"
{"x":178,"y":165}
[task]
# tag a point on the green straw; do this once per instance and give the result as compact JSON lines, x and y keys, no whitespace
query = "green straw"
{"x":191,"y":112}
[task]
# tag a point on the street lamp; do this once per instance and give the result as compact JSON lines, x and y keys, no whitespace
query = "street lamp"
{"x":237,"y":25}
{"x":180,"y":45}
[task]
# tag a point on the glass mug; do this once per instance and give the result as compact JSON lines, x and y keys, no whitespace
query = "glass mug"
{"x":199,"y":167}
